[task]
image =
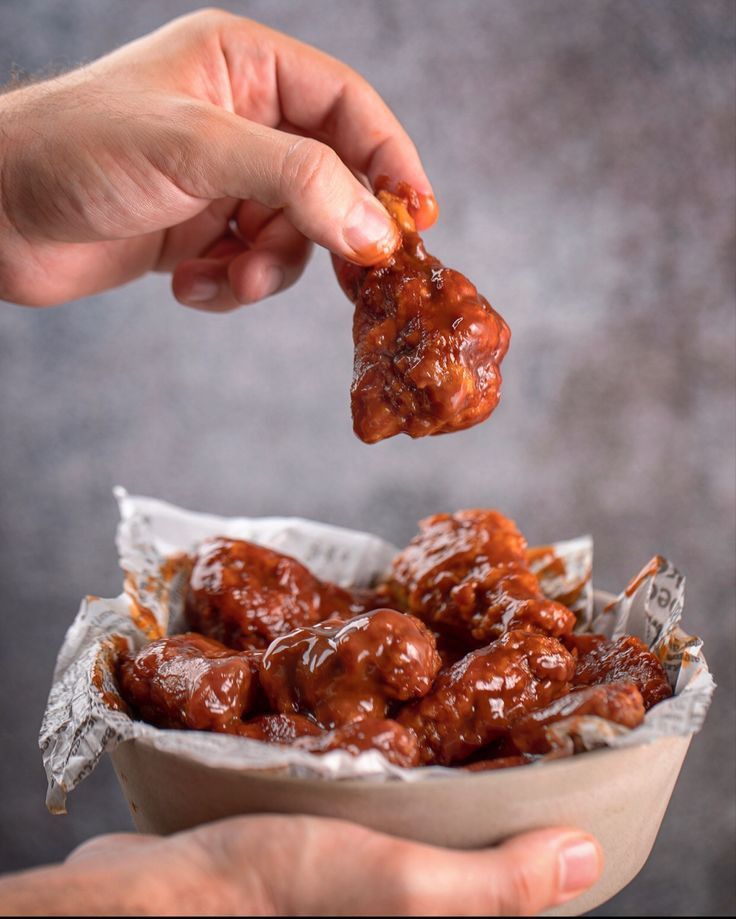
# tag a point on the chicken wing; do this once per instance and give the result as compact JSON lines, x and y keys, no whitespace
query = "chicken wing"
{"x":246,"y":595}
{"x":477,"y":699}
{"x":427,"y":344}
{"x":340,"y":672}
{"x":189,"y":681}
{"x":466,"y":575}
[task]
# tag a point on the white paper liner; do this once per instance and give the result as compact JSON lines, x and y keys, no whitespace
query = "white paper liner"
{"x":79,"y":724}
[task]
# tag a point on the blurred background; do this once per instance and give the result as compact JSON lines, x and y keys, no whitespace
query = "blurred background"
{"x":583,"y":158}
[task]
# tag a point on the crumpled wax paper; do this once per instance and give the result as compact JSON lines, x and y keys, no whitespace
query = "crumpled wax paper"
{"x":85,"y":716}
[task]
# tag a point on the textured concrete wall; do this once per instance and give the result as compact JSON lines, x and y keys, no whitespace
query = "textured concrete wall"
{"x":583,"y":157}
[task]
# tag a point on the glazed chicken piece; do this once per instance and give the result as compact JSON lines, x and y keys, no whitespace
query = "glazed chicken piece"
{"x":466,"y":575}
{"x":620,"y":703}
{"x":502,"y":762}
{"x":427,"y":344}
{"x":626,"y":658}
{"x":340,"y":672}
{"x":397,"y":744}
{"x":189,"y":681}
{"x":580,"y":643}
{"x":279,"y":729}
{"x":246,"y":595}
{"x":477,"y":700}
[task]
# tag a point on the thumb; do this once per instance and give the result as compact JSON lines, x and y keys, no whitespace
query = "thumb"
{"x":522,"y":877}
{"x":542,"y":869}
{"x":220,"y":154}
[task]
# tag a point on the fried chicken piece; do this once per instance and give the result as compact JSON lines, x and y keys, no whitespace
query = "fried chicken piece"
{"x":477,"y":700}
{"x":397,"y":744}
{"x":618,"y":702}
{"x":279,"y":729}
{"x":189,"y":681}
{"x":246,"y":595}
{"x":466,"y":575}
{"x":501,"y":762}
{"x":626,"y":658}
{"x":427,"y":344}
{"x":580,"y":643}
{"x":340,"y":672}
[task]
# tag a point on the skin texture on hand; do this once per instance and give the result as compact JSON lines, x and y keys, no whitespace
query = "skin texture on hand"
{"x":215,"y":149}
{"x":268,"y":866}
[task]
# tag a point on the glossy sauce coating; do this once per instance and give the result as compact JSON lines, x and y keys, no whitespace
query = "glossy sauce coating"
{"x":580,"y":643}
{"x":279,"y":729}
{"x":467,"y":576}
{"x":620,"y":703}
{"x":189,"y":681}
{"x":503,"y":762}
{"x":427,"y":344}
{"x":246,"y":595}
{"x":477,"y":700}
{"x":626,"y":658}
{"x":340,"y":672}
{"x":397,"y":744}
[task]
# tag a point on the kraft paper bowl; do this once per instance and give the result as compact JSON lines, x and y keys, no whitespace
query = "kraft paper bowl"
{"x":618,"y":795}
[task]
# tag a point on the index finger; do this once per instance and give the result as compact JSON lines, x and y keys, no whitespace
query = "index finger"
{"x":326,"y":99}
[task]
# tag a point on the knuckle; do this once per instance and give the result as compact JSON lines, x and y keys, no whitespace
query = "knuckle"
{"x":309,"y":166}
{"x":518,"y":896}
{"x":210,"y":17}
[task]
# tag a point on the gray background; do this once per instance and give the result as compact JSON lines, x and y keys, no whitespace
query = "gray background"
{"x":583,"y":157}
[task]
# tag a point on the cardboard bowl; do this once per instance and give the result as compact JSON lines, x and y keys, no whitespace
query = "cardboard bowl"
{"x":618,"y":795}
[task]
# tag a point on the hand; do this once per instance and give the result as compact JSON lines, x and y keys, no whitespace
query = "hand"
{"x":306,"y":866}
{"x":214,"y":148}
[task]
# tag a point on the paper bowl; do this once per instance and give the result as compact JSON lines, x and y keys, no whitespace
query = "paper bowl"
{"x":620,"y":796}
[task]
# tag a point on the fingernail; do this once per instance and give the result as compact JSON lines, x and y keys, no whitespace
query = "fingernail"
{"x":202,"y":290}
{"x":369,"y":231}
{"x":273,"y":280}
{"x":580,"y":864}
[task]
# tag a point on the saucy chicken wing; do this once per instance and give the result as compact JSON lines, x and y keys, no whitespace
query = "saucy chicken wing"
{"x":397,"y":744}
{"x":466,"y":575}
{"x":427,"y":344}
{"x":626,"y":658}
{"x":618,"y":702}
{"x":477,"y":699}
{"x":189,"y":681}
{"x":340,"y":672}
{"x":246,"y":595}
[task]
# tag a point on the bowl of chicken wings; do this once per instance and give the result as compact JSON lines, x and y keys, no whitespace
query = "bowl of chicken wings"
{"x":455,"y":668}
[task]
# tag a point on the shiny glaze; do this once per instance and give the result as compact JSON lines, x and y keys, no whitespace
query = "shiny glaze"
{"x":397,"y":744}
{"x":580,"y":643}
{"x":467,"y":576}
{"x":477,"y":699}
{"x":340,"y":672}
{"x":246,"y":595}
{"x":502,"y":762}
{"x":626,"y":658}
{"x":620,"y":703}
{"x":279,"y":729}
{"x":190,"y":681}
{"x":427,"y":344}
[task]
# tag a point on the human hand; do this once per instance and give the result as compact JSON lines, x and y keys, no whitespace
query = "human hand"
{"x":215,"y":148}
{"x":289,"y":865}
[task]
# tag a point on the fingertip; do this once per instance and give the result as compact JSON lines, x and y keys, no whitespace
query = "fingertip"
{"x":369,"y":232}
{"x":580,"y":864}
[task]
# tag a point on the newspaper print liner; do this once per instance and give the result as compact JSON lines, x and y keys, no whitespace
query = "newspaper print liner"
{"x":85,"y":716}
